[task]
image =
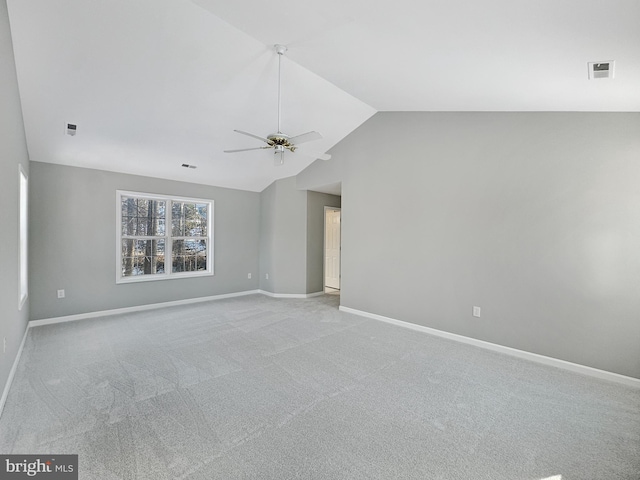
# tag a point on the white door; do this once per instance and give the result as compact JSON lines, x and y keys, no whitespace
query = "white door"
{"x":332,"y":248}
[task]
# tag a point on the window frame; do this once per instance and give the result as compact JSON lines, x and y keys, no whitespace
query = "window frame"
{"x":168,"y":237}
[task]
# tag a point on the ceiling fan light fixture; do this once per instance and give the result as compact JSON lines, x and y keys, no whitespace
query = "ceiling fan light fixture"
{"x":278,"y":156}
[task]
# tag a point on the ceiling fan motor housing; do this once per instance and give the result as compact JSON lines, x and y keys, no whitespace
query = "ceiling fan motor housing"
{"x":281,"y":139}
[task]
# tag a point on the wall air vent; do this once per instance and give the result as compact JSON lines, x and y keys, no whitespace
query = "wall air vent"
{"x":601,"y":69}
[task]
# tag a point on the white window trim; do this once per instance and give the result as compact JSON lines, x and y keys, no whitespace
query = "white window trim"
{"x":23,"y":229}
{"x":168,"y":274}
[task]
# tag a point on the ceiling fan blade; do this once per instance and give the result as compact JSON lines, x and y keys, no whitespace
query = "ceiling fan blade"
{"x":265,"y":140}
{"x":305,"y":137}
{"x":245,"y":149}
{"x":321,"y":156}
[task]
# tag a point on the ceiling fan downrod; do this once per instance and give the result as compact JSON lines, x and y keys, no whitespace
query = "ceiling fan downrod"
{"x":280,"y":49}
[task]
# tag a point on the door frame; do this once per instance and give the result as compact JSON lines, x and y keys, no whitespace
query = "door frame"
{"x":324,"y":247}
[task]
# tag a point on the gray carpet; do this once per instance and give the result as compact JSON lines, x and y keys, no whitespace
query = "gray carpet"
{"x":261,"y":388}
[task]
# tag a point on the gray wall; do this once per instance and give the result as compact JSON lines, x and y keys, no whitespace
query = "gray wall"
{"x":315,"y":238}
{"x":535,"y":217}
{"x":291,"y":238}
{"x":73,"y":241}
{"x":283,"y":238}
{"x":13,"y":152}
{"x":321,"y":173}
{"x":267,"y":237}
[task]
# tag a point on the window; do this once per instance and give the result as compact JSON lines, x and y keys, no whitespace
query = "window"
{"x":24,"y":241}
{"x":161,"y":237}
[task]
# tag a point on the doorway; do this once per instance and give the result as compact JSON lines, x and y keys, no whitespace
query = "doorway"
{"x":332,"y":249}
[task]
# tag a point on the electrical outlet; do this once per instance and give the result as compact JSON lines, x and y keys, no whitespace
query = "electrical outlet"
{"x":266,"y":276}
{"x":249,"y":275}
{"x":476,"y":312}
{"x":60,"y":293}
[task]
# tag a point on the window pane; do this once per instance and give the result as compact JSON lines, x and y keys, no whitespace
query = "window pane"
{"x":199,"y":220}
{"x":142,"y":257}
{"x":128,"y":225}
{"x":189,"y":219}
{"x":177,"y":219}
{"x":143,"y":217}
{"x":189,"y":255}
{"x":128,"y":206}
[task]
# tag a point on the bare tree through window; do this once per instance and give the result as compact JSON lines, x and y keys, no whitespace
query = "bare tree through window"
{"x":153,"y":229}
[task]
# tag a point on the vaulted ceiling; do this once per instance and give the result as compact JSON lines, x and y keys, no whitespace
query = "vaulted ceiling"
{"x":153,"y":84}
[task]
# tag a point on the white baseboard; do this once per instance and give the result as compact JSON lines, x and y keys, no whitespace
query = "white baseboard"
{"x":138,"y":308}
{"x":316,"y":294}
{"x":290,"y":295}
{"x":12,"y":372}
{"x":153,"y":306}
{"x":554,"y":362}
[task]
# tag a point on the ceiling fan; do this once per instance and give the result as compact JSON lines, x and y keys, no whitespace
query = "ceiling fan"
{"x":280,"y":141}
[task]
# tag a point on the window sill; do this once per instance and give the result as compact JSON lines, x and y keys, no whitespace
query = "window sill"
{"x":156,"y":277}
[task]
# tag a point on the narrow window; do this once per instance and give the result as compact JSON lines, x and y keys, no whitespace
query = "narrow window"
{"x":24,"y":241}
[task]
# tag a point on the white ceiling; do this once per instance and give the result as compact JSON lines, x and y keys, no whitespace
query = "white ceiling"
{"x":153,"y":84}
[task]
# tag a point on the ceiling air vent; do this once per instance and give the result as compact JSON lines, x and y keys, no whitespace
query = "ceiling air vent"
{"x":186,"y":165}
{"x":601,"y":69}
